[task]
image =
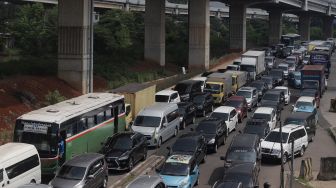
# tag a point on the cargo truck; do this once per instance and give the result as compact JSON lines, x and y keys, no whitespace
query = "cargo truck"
{"x":239,"y":79}
{"x":313,"y":77}
{"x":320,"y":58}
{"x":253,"y":62}
{"x":219,"y":85}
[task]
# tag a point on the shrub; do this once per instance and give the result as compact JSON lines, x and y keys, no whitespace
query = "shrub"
{"x":53,"y":97}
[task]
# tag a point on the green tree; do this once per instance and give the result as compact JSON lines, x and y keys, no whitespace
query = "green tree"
{"x":35,"y":30}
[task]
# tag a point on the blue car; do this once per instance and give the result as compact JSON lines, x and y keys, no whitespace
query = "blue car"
{"x":306,"y":104}
{"x":294,"y":79}
{"x":180,"y":171}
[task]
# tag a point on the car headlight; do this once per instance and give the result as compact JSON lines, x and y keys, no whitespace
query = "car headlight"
{"x":276,"y":152}
{"x":183,"y":183}
{"x":212,"y":141}
{"x":123,"y":158}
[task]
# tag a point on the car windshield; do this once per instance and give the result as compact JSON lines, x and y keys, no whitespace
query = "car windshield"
{"x":206,"y":128}
{"x":283,"y":90}
{"x":255,"y":129}
{"x":257,"y":85}
{"x":212,"y":88}
{"x":181,"y":88}
{"x":294,"y":121}
{"x":231,"y":68}
{"x":303,"y":104}
{"x":266,"y":117}
{"x":184,"y":145}
{"x":161,"y":98}
{"x":147,"y":121}
{"x":233,"y":103}
{"x":291,"y":64}
{"x":199,"y":99}
{"x":297,"y":76}
{"x":276,"y":73}
{"x":283,"y":67}
{"x":175,"y":169}
{"x":121,"y":143}
{"x":246,"y":94}
{"x":269,"y":60}
{"x":308,"y":93}
{"x":241,"y":155}
{"x":271,"y":97}
{"x":306,"y":58}
{"x":275,"y":136}
{"x":71,"y":172}
{"x":310,"y":84}
{"x":267,"y":80}
{"x":239,"y":177}
{"x":219,"y":115}
{"x":247,"y":68}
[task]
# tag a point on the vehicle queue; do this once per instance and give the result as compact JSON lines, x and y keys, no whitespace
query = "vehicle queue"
{"x":95,"y":123}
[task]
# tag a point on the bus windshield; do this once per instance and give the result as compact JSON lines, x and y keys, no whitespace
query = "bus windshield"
{"x":42,"y":135}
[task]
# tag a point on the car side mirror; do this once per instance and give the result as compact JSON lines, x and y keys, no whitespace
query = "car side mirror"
{"x":164,"y":125}
{"x":90,"y":177}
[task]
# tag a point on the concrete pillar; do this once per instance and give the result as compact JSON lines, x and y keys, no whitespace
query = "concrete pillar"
{"x":328,"y":26}
{"x":304,"y":26}
{"x":155,"y":31}
{"x":275,"y":26}
{"x":199,"y":34}
{"x":237,"y":26}
{"x":74,"y":64}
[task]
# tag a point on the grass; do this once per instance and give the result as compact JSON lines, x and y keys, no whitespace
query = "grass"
{"x":304,"y":182}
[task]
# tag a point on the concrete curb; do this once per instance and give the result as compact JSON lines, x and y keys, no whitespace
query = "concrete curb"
{"x":332,"y":132}
{"x":145,"y":167}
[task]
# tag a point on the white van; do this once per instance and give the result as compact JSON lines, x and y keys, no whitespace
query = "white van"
{"x":158,"y":123}
{"x":19,"y":165}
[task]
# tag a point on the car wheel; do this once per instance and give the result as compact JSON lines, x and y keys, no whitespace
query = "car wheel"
{"x":130,"y":164}
{"x":215,"y":148}
{"x":284,"y":158}
{"x":105,"y":182}
{"x":184,"y":124}
{"x":175,"y":132}
{"x":302,"y":151}
{"x":144,"y":156}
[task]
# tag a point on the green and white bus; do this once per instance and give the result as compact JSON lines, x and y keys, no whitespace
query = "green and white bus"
{"x":82,"y":123}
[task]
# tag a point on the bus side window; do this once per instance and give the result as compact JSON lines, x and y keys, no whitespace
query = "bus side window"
{"x":100,"y":118}
{"x":81,"y":126}
{"x":121,"y":108}
{"x":108,"y":114}
{"x":90,"y":121}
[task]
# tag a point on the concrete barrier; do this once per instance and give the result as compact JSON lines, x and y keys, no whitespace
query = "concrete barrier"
{"x":146,"y":167}
{"x":332,"y":105}
{"x":332,"y":132}
{"x":306,"y":169}
{"x":327,"y":169}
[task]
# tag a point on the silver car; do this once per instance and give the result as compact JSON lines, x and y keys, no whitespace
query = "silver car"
{"x":34,"y":185}
{"x":148,"y":182}
{"x":83,"y":171}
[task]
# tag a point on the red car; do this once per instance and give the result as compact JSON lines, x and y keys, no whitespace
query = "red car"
{"x":238,"y":102}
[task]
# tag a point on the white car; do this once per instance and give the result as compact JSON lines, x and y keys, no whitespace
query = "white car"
{"x":229,"y":114}
{"x":270,"y":146}
{"x":202,"y":79}
{"x":267,"y":113}
{"x":168,"y":96}
{"x":286,"y":92}
{"x":285,"y":68}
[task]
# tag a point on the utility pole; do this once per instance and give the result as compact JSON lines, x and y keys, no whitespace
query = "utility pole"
{"x":292,"y":165}
{"x":282,"y":182}
{"x":90,"y":62}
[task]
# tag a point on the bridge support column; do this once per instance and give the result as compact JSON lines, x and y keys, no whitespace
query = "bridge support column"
{"x":155,"y":31}
{"x":74,"y":65}
{"x":328,"y":26}
{"x":199,"y":34}
{"x":237,"y":26}
{"x":304,"y":26}
{"x":275,"y":26}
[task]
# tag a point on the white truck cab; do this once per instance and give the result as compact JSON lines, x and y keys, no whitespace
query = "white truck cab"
{"x":168,"y":96}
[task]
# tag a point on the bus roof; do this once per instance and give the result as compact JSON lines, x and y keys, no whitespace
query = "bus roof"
{"x":65,"y":110}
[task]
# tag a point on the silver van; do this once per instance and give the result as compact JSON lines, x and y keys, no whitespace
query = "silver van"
{"x":158,"y":123}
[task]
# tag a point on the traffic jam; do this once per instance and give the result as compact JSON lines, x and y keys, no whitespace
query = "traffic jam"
{"x":81,"y":141}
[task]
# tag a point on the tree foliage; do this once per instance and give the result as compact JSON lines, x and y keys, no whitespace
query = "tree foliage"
{"x":35,"y":29}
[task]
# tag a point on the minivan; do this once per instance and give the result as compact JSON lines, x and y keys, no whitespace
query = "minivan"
{"x":19,"y":165}
{"x":158,"y":123}
{"x":188,"y":88}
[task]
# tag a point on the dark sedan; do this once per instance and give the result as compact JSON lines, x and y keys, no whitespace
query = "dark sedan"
{"x":278,"y":76}
{"x":214,"y":131}
{"x":245,"y":173}
{"x":193,"y":144}
{"x":261,"y":87}
{"x":204,"y":103}
{"x":274,"y":96}
{"x":187,"y":113}
{"x":240,"y":104}
{"x":123,"y":150}
{"x":259,"y":127}
{"x":270,"y":81}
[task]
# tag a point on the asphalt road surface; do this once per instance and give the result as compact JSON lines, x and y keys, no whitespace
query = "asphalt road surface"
{"x":212,"y":170}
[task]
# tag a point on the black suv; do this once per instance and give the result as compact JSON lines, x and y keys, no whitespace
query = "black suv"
{"x":259,"y":127}
{"x":245,"y":173}
{"x":187,"y":113}
{"x":188,"y":88}
{"x":275,"y":96}
{"x":278,"y":76}
{"x":204,"y":103}
{"x":244,"y":148}
{"x":214,"y":131}
{"x":193,"y":144}
{"x":261,"y":87}
{"x":123,"y":150}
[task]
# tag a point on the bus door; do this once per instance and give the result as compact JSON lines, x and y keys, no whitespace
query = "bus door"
{"x":116,"y":121}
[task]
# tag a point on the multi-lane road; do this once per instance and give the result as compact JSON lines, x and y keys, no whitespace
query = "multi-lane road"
{"x":212,"y":170}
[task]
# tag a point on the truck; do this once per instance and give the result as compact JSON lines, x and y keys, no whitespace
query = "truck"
{"x":253,"y":62}
{"x":313,"y":77}
{"x":239,"y":79}
{"x":137,"y":97}
{"x":219,"y":85}
{"x":320,"y":58}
